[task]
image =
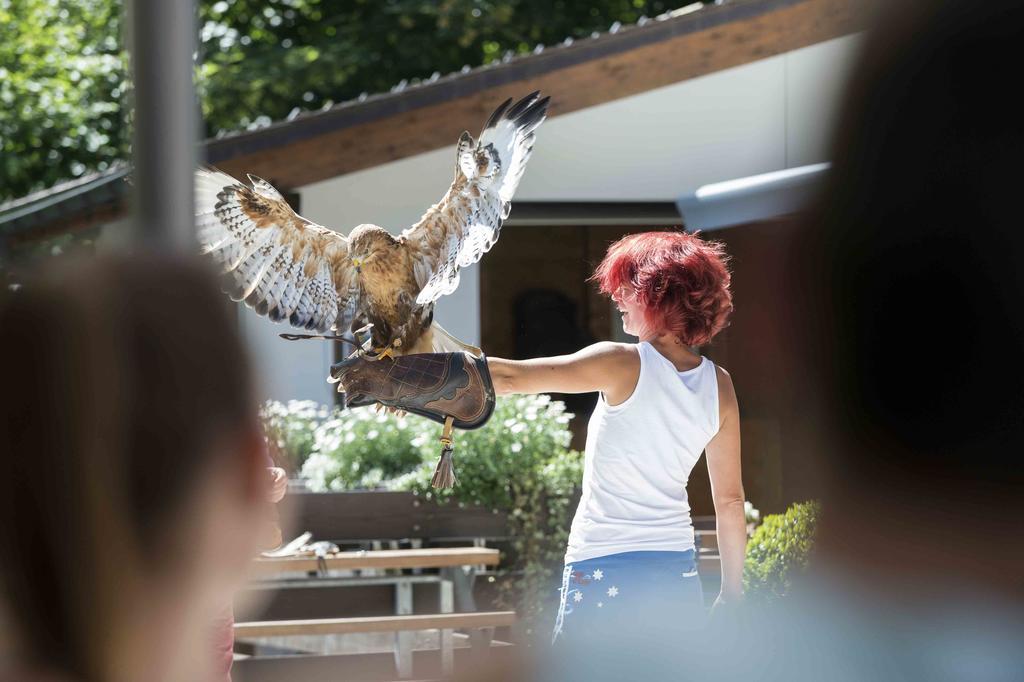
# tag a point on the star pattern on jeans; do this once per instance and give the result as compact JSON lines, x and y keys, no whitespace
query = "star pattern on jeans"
{"x":598,"y":574}
{"x":577,"y":597}
{"x":600,"y":604}
{"x":613,"y":591}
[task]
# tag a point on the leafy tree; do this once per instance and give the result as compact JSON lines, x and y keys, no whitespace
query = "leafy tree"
{"x":62,"y":91}
{"x":63,"y":70}
{"x":263,"y":58}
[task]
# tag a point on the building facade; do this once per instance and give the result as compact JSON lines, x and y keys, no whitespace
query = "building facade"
{"x":641,"y":119}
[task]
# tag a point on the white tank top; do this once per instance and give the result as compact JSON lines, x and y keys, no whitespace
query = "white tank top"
{"x":638,"y":459}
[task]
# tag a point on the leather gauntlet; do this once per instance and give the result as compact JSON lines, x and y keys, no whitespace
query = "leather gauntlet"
{"x":453,"y":389}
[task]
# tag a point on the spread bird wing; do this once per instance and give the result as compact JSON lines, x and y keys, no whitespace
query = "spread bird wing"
{"x":283,"y":266}
{"x":464,"y":225}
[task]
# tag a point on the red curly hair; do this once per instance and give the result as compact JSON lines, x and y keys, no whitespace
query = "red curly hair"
{"x":680,"y":280}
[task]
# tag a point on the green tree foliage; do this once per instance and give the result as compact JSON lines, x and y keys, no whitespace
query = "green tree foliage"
{"x":262,"y":58}
{"x":62,"y":91}
{"x":63,"y":70}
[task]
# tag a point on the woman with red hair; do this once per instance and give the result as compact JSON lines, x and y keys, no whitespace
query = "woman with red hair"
{"x":630,"y":567}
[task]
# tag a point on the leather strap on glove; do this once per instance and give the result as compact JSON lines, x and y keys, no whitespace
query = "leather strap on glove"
{"x":453,"y":389}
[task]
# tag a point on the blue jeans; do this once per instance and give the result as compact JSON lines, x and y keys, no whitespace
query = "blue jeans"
{"x":647,"y":595}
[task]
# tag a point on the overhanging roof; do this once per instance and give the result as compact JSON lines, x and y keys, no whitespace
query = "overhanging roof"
{"x":409,"y":120}
{"x":77,"y":203}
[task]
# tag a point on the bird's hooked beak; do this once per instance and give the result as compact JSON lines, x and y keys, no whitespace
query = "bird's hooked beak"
{"x":358,"y":263}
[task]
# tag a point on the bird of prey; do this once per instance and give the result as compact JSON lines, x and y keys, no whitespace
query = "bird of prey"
{"x":289,"y":268}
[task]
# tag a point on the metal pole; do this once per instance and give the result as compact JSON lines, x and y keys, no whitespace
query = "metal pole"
{"x":162,"y":40}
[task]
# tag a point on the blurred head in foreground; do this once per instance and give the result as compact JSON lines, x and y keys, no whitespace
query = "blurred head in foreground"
{"x":132,"y":492}
{"x":913,"y":305}
{"x":909,"y":324}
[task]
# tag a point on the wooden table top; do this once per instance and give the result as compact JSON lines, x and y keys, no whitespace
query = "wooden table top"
{"x":381,"y":559}
{"x":338,"y":626}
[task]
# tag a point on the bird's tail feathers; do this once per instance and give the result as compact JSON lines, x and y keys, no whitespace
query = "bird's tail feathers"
{"x":444,"y":342}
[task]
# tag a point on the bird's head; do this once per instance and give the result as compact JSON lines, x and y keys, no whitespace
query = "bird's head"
{"x":367,"y":244}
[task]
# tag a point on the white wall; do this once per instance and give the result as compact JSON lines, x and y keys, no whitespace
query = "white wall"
{"x":763,"y":116}
{"x":286,"y":370}
{"x":815,"y":79}
{"x":661,"y":144}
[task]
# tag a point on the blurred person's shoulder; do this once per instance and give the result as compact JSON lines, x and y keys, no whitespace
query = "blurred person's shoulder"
{"x":829,"y":628}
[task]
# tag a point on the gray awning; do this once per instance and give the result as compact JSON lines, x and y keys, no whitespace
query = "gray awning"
{"x":756,"y":197}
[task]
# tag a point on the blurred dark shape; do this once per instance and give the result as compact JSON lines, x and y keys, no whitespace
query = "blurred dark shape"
{"x":546,"y":324}
{"x":909,"y":318}
{"x":131,"y":496}
{"x":907,"y":334}
{"x":913,"y":285}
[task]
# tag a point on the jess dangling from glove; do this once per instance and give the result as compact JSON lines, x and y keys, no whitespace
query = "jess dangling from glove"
{"x":453,"y":389}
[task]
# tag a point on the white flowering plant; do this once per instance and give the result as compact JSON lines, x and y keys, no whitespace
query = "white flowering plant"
{"x":363,"y":449}
{"x":753,"y":516}
{"x":291,"y":429}
{"x":523,"y":436}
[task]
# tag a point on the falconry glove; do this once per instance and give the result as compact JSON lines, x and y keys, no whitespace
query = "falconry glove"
{"x":453,"y":389}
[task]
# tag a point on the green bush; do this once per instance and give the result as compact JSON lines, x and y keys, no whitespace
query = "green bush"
{"x":519,"y":463}
{"x":363,"y":449}
{"x":523,"y":435}
{"x":779,"y":551}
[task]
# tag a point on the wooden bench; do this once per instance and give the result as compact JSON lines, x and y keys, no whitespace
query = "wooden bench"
{"x":341,"y":626}
{"x":306,"y":572}
{"x":384,"y":559}
{"x":708,"y":558}
{"x":378,"y":521}
{"x":483,"y":622}
{"x":455,"y":584}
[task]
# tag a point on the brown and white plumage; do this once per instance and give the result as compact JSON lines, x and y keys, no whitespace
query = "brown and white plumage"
{"x":463,"y":226}
{"x":282,"y":265}
{"x":288,"y":268}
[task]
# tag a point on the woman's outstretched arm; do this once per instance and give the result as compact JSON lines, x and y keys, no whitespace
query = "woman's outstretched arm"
{"x":612,"y":368}
{"x":723,"y":454}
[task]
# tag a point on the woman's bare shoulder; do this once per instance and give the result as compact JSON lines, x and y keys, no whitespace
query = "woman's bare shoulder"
{"x":723,"y":374}
{"x":614,"y":355}
{"x":727,"y":402}
{"x":614,"y":348}
{"x":615,"y":367}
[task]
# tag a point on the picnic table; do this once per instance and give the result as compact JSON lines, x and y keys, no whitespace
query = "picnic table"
{"x":442,"y":557}
{"x":457,"y":566}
